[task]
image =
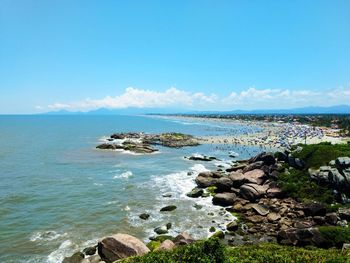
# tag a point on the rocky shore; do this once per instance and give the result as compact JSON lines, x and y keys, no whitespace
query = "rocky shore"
{"x":145,"y":143}
{"x":252,"y":191}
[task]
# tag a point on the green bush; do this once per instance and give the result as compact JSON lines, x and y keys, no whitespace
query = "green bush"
{"x":208,"y":251}
{"x":267,"y":252}
{"x":336,"y":236}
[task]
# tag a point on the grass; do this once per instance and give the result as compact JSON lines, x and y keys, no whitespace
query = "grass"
{"x":212,"y":251}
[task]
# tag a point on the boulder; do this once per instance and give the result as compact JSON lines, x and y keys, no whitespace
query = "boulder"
{"x":168,"y":208}
{"x":223,"y":184}
{"x":224,"y":199}
{"x":144,"y":216}
{"x":204,"y":182}
{"x":331,"y":219}
{"x":344,"y":213}
{"x":260,"y":209}
{"x":89,"y":251}
{"x":161,"y":230}
{"x":252,"y":166}
{"x":296,"y":162}
{"x":274,"y":192}
{"x":255,"y":176}
{"x":342,"y":162}
{"x":120,"y":246}
{"x":301,"y":237}
{"x":314,"y":209}
{"x":233,"y":226}
{"x":237,"y":179}
{"x":166,"y":245}
{"x":272,"y":217}
{"x":252,"y":191}
{"x":266,"y":158}
{"x":183,"y":239}
{"x":281,"y":156}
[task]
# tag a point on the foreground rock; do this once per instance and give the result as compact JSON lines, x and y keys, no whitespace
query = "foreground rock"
{"x":120,"y":246}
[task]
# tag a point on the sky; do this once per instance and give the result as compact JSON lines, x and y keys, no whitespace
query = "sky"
{"x":203,"y":55}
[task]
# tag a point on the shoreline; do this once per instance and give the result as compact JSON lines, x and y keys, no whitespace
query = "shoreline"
{"x":272,"y":134}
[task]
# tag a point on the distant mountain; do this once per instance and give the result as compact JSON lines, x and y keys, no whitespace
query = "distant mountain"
{"x":339,"y":109}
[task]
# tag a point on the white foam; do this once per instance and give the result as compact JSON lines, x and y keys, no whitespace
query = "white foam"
{"x":65,"y":249}
{"x":127,"y":208}
{"x":124,"y":175}
{"x":199,"y":168}
{"x":98,"y":184}
{"x":45,"y":235}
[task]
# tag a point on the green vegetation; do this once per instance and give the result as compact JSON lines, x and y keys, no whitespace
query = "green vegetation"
{"x":211,"y":190}
{"x":200,"y":252}
{"x":153,"y":245}
{"x":337,"y":236}
{"x":212,"y":251}
{"x":297,"y":184}
{"x":316,"y":155}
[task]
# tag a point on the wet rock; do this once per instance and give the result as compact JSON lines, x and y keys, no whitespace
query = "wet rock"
{"x":233,"y":226}
{"x":75,"y":258}
{"x":212,"y":229}
{"x":161,"y":230}
{"x":120,"y":246}
{"x":144,"y":216}
{"x":196,"y":192}
{"x":89,"y":251}
{"x":168,"y":225}
{"x":296,"y":162}
{"x":198,"y":206}
{"x":224,"y":199}
{"x":199,"y":157}
{"x":168,"y":208}
{"x":167,"y":195}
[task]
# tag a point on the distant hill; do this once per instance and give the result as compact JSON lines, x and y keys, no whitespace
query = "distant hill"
{"x":339,"y":109}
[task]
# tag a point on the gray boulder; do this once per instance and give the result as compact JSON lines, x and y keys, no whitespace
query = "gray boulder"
{"x":223,"y":184}
{"x":342,"y":162}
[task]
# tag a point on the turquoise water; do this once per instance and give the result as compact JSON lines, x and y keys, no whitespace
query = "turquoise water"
{"x":59,"y":194}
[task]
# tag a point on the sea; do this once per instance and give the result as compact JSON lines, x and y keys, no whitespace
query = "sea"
{"x":59,"y":194}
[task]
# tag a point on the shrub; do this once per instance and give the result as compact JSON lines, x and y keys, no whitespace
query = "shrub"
{"x":336,"y":236}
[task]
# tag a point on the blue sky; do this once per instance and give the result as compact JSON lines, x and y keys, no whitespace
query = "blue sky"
{"x":82,"y":55}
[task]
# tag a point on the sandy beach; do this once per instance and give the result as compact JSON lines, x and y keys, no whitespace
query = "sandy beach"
{"x":271,"y":134}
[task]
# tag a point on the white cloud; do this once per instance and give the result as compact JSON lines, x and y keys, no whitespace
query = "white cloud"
{"x":251,"y":98}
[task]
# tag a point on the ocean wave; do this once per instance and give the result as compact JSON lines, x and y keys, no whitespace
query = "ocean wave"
{"x":46,"y":236}
{"x":66,"y":248}
{"x":124,"y":175}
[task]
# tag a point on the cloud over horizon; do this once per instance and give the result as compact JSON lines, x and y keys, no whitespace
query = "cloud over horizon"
{"x":250,"y":98}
